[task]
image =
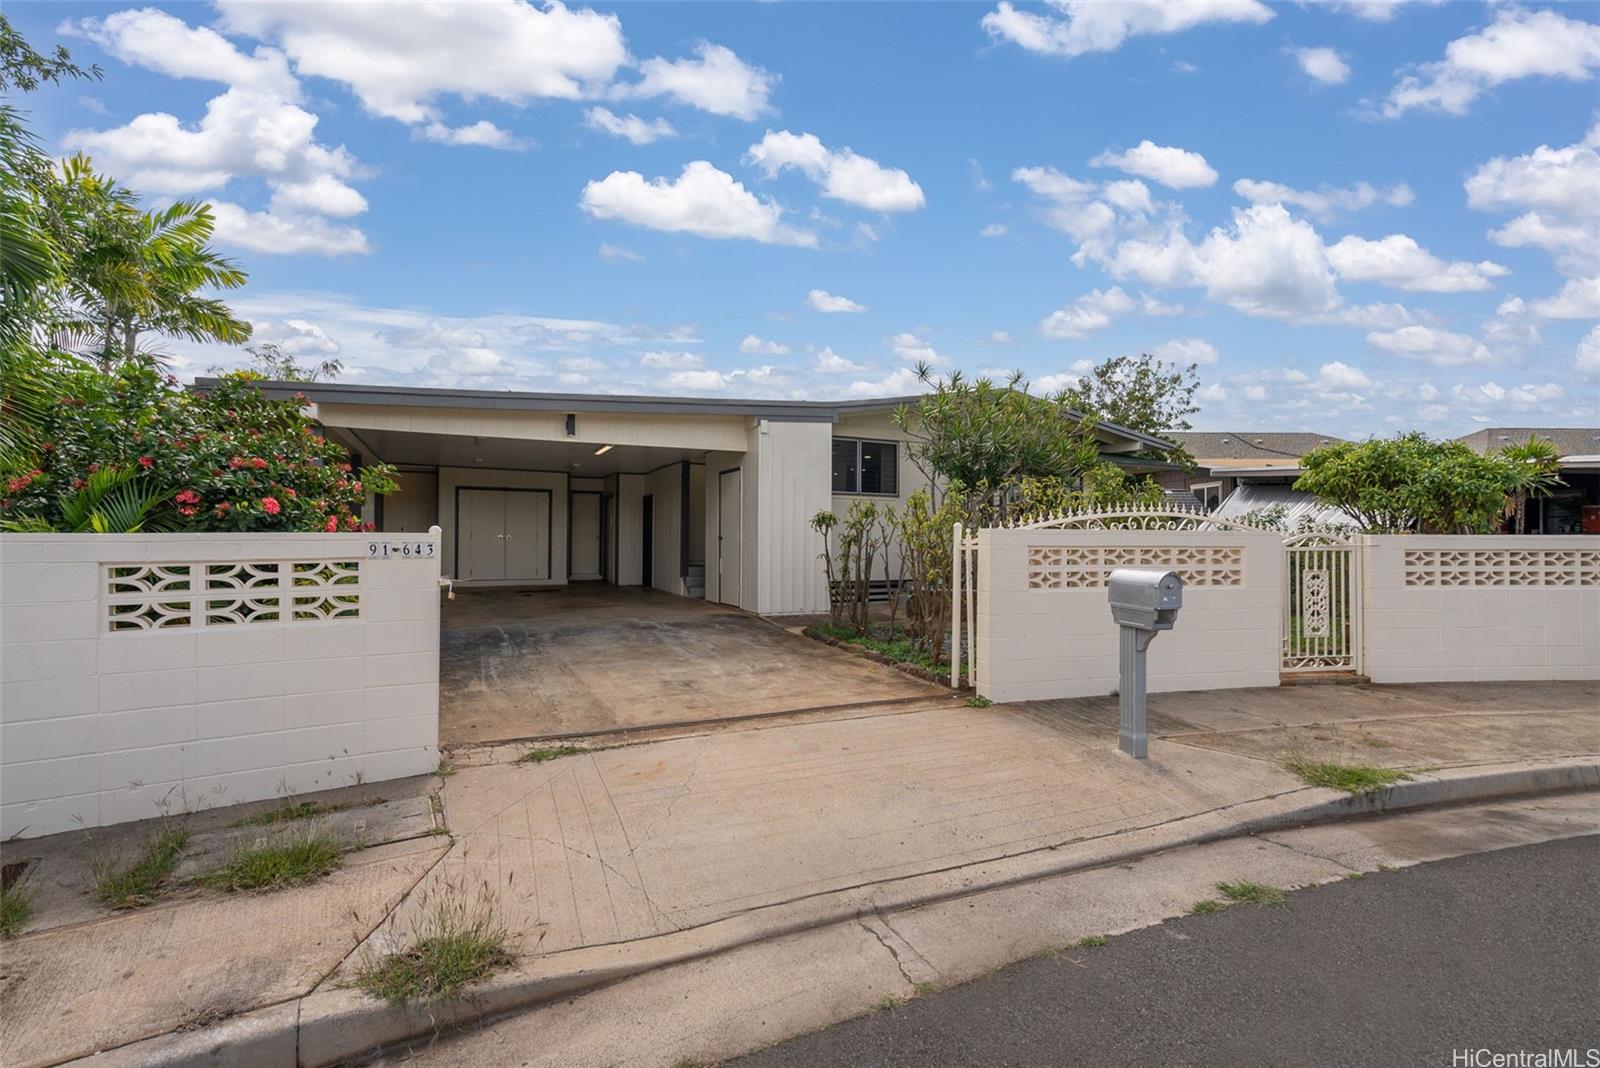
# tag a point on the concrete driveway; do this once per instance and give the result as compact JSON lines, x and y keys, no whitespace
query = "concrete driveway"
{"x":589,"y":658}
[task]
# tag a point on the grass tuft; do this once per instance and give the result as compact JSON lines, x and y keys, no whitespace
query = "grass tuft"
{"x":16,"y":905}
{"x":1091,"y":942}
{"x":458,"y":941}
{"x":286,"y":813}
{"x":142,"y":881}
{"x":1353,"y":779}
{"x":539,"y":756}
{"x":294,"y":862}
{"x":1252,"y":893}
{"x":1200,"y":908}
{"x":978,"y":701}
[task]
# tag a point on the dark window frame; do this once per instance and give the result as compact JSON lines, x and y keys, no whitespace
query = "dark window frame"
{"x":857,"y":491}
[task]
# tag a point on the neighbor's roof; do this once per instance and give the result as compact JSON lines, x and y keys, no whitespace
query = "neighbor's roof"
{"x":1252,"y":449}
{"x":1569,"y":441}
{"x":513,"y":400}
{"x":1296,"y":506}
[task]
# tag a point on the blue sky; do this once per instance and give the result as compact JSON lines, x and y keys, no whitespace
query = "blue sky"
{"x":1356,"y":217}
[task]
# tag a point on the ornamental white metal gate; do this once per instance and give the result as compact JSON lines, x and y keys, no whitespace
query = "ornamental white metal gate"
{"x":1321,"y":603}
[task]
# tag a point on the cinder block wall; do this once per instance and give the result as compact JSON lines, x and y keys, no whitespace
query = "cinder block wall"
{"x":1045,"y":629}
{"x":146,"y":671}
{"x":1471,"y":609}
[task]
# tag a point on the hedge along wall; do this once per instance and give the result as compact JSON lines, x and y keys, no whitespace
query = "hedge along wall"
{"x":141,"y":672}
{"x":1469,"y":609}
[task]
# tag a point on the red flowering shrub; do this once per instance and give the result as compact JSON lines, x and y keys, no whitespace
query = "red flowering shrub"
{"x":228,"y":459}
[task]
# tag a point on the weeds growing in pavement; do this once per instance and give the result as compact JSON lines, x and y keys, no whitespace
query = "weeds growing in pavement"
{"x":1091,"y":941}
{"x":539,"y":756}
{"x":16,"y":905}
{"x":1200,"y":908}
{"x":458,"y":940}
{"x":1252,"y":893}
{"x":1353,"y":779}
{"x":293,"y":861}
{"x":978,"y":701}
{"x":142,"y":881}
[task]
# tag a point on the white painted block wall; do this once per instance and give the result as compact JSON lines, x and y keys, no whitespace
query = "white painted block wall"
{"x":1515,"y":620}
{"x":100,"y":727}
{"x":1042,"y":644}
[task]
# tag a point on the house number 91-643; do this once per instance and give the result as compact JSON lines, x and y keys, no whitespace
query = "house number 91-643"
{"x":401,"y":550}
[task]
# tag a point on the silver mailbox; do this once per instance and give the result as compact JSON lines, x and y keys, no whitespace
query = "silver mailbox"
{"x":1145,"y":599}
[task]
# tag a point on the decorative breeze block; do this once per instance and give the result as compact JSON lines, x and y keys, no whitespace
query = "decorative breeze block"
{"x":145,"y":597}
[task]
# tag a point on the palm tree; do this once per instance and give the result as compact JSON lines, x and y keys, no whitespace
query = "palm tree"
{"x":130,"y":272}
{"x":1534,"y":464}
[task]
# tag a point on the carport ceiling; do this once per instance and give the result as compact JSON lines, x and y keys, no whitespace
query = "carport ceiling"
{"x":446,"y":450}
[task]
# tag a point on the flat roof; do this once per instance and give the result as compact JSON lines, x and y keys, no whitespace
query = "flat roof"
{"x":513,"y":400}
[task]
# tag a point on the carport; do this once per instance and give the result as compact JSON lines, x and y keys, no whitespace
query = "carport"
{"x":590,"y":658}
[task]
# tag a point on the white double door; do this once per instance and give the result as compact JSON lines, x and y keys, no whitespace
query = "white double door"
{"x":505,"y":535}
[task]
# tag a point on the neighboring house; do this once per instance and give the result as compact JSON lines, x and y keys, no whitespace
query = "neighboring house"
{"x":1227,"y":460}
{"x":705,"y":498}
{"x":1575,"y":507}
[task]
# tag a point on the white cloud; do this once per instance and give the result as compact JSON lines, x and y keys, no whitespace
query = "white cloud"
{"x":1558,"y":192}
{"x":1429,"y":345}
{"x":1093,"y":214}
{"x":1149,"y":305}
{"x":1175,"y":167}
{"x":1094,"y":310}
{"x":636,"y":130}
{"x":1325,"y":202}
{"x":1267,"y":263}
{"x":322,"y":195}
{"x":898,"y":383}
{"x":1587,"y":360}
{"x":831,"y":363}
{"x":482,"y":134}
{"x":161,"y":42}
{"x":1048,"y":385}
{"x":1495,"y":398}
{"x":617,"y":254}
{"x":1342,"y":377}
{"x":244,"y":134}
{"x":1579,"y":298}
{"x":1518,"y":44}
{"x":1376,"y":10}
{"x":254,"y":129}
{"x":1398,"y":261}
{"x":677,"y":361}
{"x":703,"y":381}
{"x":1095,"y":26}
{"x":1325,"y":65}
{"x":823,"y":301}
{"x":842,"y":174}
{"x":399,"y":60}
{"x":262,"y":231}
{"x":296,"y":337}
{"x":1186,"y":350}
{"x":702,"y":201}
{"x":719,"y":82}
{"x":993,"y":230}
{"x":753,"y":344}
{"x":914,"y":349}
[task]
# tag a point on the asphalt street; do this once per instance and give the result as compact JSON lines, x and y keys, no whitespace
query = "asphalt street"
{"x":1497,"y":951}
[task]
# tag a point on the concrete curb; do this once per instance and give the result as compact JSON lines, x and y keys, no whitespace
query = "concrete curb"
{"x":331,"y":1026}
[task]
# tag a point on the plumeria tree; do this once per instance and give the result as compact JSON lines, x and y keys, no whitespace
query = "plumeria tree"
{"x":1411,"y":483}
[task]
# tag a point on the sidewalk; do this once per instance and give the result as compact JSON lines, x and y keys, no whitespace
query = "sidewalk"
{"x":616,"y":860}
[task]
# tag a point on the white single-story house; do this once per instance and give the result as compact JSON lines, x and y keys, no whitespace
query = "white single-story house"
{"x":699,"y":497}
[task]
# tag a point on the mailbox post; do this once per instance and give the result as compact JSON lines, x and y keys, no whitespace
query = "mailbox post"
{"x":1143,"y":604}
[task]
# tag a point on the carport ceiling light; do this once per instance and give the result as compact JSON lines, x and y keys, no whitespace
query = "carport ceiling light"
{"x":602,"y":450}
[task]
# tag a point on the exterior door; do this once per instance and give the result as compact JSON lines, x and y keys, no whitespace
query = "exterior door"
{"x":730,"y":510}
{"x":527,"y":535}
{"x":482,"y":536}
{"x":585,"y":528}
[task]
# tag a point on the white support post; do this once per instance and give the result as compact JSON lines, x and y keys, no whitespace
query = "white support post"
{"x":956,"y":553}
{"x":973,"y":669}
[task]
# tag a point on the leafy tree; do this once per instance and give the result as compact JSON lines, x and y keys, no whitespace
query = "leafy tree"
{"x":1410,"y":483}
{"x":979,"y":439}
{"x":1534,"y":464}
{"x":23,"y":68}
{"x":270,"y":362}
{"x":1142,"y":394}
